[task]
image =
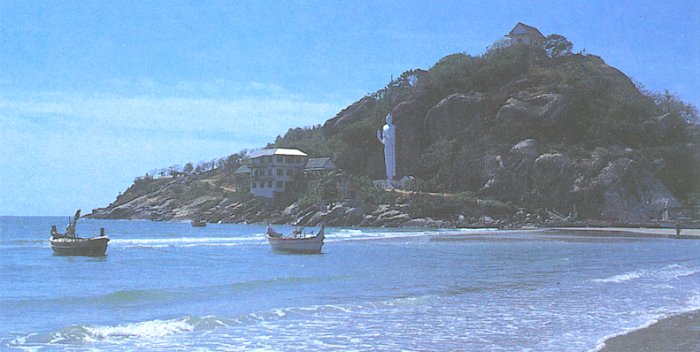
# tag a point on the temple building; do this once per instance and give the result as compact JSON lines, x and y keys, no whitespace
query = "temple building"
{"x":523,"y":34}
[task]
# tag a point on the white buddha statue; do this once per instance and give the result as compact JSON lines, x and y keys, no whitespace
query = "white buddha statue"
{"x":387,"y":136}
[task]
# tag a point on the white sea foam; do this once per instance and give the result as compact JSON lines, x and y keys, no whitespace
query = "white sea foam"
{"x":669,"y":272}
{"x":623,"y":277}
{"x":375,"y":236}
{"x":184,"y":242}
{"x":694,"y":300}
{"x":146,"y":329}
{"x":676,"y":271}
{"x":331,"y":236}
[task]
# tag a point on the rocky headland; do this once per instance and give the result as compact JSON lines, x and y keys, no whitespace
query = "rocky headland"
{"x":510,"y":138}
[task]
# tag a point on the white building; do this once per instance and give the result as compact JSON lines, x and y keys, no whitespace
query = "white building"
{"x":526,"y":35}
{"x":273,"y":170}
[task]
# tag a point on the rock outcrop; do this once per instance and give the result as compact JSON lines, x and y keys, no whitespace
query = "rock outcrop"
{"x":508,"y":138}
{"x":624,"y":191}
{"x":457,"y":116}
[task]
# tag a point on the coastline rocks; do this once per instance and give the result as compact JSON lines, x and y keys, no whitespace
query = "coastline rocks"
{"x":552,"y":176}
{"x":426,"y":222}
{"x":513,"y":179}
{"x":625,"y":191}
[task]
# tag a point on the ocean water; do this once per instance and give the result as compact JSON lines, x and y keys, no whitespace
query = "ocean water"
{"x":167,"y":286}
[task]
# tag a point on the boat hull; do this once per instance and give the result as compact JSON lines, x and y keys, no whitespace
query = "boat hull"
{"x":93,"y":247}
{"x":198,"y":223}
{"x":311,"y":245}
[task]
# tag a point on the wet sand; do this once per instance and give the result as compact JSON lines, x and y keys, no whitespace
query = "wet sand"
{"x":574,"y":232}
{"x":679,"y":333}
{"x":630,"y":232}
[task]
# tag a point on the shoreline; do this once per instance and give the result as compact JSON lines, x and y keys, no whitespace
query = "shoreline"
{"x":687,"y":234}
{"x":678,"y":332}
{"x":629,"y":232}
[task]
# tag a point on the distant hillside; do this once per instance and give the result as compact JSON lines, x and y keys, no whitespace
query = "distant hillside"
{"x":569,"y":135}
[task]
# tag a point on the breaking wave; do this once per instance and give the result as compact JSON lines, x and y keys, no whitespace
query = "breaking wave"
{"x":185,"y":242}
{"x":669,"y":272}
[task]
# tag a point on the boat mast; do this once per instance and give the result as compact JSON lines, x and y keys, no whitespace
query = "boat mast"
{"x":70,"y":230}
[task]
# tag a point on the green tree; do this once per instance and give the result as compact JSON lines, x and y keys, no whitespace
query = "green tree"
{"x":556,"y":45}
{"x":668,"y":102}
{"x":188,"y":168}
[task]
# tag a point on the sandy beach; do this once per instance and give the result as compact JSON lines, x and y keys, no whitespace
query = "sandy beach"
{"x":679,"y":333}
{"x":642,"y":232}
{"x":629,"y":231}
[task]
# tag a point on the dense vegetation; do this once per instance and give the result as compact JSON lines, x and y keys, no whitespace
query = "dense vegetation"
{"x":605,"y":109}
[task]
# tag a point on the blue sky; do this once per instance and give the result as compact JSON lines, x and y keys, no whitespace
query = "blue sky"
{"x":95,"y":93}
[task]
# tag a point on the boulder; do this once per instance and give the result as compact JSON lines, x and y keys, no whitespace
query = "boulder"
{"x":396,"y":220}
{"x":552,"y":180}
{"x":292,"y":209}
{"x":512,"y":179}
{"x":458,"y":115}
{"x":528,"y":148}
{"x":367,"y":220}
{"x":521,"y":117}
{"x":353,"y":216}
{"x":625,"y":191}
{"x":388,"y":214}
{"x":355,"y":112}
{"x":317,"y":218}
{"x":410,"y":136}
{"x":419,"y":223}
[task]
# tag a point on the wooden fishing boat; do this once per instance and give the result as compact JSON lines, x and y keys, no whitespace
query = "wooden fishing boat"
{"x":69,"y":243}
{"x":198,"y":223}
{"x":297,"y":241}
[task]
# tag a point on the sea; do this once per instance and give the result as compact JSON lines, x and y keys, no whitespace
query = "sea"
{"x":168,"y":286}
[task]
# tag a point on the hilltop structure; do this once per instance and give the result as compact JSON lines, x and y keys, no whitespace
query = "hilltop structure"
{"x":523,"y":34}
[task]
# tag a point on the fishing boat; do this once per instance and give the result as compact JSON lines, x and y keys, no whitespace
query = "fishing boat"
{"x":69,"y":243}
{"x":198,"y":223}
{"x":297,"y":241}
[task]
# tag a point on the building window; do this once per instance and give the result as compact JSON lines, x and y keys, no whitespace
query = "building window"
{"x":279,"y":159}
{"x":252,"y":185}
{"x":269,"y":184}
{"x":279,"y":184}
{"x":289,"y":172}
{"x":280,"y":172}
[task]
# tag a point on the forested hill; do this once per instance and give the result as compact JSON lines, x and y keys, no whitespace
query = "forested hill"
{"x":559,"y":131}
{"x":520,"y":126}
